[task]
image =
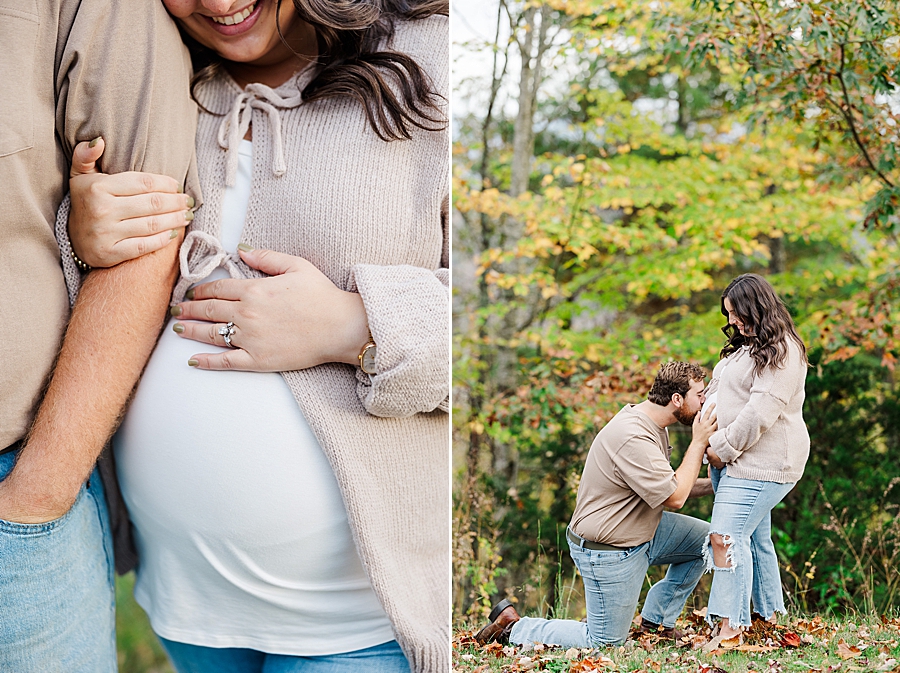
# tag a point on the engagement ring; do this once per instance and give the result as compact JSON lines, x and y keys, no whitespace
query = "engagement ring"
{"x":227,"y":331}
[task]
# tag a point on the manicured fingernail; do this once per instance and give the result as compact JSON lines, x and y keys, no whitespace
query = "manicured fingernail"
{"x":175,"y":311}
{"x":190,"y":202}
{"x":173,"y":233}
{"x":94,"y":142}
{"x":244,"y":247}
{"x":188,"y":215}
{"x":193,"y":363}
{"x":180,"y":189}
{"x":189,"y":294}
{"x":178,"y":327}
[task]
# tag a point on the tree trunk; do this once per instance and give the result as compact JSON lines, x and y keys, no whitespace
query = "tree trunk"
{"x":532,"y":49}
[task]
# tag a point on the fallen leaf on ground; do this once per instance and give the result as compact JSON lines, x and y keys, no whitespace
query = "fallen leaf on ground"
{"x":571,"y":653}
{"x":708,"y":668}
{"x":791,"y":639}
{"x":653,"y":665}
{"x":494,"y":648}
{"x":587,"y":665}
{"x":526,"y":663}
{"x":846,"y":651}
{"x":755,"y":648}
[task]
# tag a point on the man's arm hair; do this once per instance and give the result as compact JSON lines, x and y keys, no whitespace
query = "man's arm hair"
{"x":114,"y":326}
{"x":686,"y":474}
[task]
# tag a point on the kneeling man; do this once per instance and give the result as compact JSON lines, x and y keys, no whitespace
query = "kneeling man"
{"x":619,"y":527}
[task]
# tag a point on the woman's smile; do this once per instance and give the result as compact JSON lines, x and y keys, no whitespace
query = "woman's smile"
{"x":245,"y":33}
{"x":237,"y":22}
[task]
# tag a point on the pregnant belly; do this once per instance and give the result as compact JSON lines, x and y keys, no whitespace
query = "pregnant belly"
{"x":224,"y":462}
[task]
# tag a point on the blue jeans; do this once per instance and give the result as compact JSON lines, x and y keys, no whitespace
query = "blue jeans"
{"x":57,"y":602}
{"x":386,"y":658}
{"x":612,"y":586}
{"x":742,"y":514}
{"x":767,"y":596}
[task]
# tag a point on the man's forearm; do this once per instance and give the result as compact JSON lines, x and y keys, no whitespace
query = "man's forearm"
{"x":686,"y":475}
{"x":112,"y":331}
{"x":701,"y":488}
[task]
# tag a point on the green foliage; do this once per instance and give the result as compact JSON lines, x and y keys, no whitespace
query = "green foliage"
{"x":833,"y":62}
{"x":849,"y":488}
{"x":138,"y":648}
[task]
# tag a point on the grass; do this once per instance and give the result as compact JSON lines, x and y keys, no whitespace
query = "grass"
{"x":139,"y":650}
{"x":797,"y":645}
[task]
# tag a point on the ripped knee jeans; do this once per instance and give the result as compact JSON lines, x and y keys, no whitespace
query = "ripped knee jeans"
{"x":740,"y":519}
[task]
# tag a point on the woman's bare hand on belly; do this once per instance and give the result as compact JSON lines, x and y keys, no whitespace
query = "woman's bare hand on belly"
{"x":294,"y":319}
{"x":115,"y":218}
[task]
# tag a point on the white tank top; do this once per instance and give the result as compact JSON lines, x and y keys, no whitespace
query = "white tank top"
{"x":239,"y":522}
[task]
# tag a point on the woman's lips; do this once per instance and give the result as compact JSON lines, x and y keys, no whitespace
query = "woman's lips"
{"x":237,"y":28}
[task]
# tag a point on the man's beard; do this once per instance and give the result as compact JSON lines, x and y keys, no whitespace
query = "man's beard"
{"x":684,"y":417}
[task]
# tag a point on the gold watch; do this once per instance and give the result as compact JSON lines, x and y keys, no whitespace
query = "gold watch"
{"x":367,"y":356}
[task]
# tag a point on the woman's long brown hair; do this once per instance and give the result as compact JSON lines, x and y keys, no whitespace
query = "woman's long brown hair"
{"x":350,"y":34}
{"x":765,"y":318}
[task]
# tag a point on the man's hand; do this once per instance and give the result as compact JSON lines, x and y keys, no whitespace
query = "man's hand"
{"x":686,"y":474}
{"x":20,"y":504}
{"x":704,"y":426}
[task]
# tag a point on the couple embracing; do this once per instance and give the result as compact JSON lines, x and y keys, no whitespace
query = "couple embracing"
{"x":748,"y":422}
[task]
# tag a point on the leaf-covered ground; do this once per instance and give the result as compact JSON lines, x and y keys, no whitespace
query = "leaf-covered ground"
{"x":797,"y":645}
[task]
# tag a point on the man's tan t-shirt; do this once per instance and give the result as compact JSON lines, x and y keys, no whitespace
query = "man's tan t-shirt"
{"x":626,"y":479}
{"x":71,"y":70}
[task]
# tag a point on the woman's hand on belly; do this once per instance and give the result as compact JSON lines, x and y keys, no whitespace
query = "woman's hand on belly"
{"x":295,"y":319}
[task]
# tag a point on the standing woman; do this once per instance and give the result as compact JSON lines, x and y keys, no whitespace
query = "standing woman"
{"x":762,"y":443}
{"x":297,"y":522}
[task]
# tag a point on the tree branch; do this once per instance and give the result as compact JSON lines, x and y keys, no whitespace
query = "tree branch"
{"x":848,"y":115}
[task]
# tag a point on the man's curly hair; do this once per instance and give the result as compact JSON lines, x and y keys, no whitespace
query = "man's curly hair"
{"x":674,"y":378}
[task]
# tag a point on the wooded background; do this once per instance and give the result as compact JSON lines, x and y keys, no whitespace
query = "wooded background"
{"x":616,"y":164}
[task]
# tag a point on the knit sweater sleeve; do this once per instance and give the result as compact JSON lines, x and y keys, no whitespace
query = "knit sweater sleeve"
{"x":408,"y":309}
{"x":770,"y":392}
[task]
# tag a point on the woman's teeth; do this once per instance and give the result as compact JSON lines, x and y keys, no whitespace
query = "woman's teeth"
{"x":234,"y":18}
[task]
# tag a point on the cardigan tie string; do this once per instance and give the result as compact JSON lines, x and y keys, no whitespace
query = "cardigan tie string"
{"x":235,"y":124}
{"x":199,"y":256}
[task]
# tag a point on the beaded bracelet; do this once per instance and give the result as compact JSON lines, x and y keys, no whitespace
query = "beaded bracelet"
{"x":83,"y":266}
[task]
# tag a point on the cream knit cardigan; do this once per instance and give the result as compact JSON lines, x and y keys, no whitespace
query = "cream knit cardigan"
{"x":372,"y":216}
{"x":761,"y":433}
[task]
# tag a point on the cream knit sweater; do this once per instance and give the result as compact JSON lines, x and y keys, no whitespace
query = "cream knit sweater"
{"x":372,"y":216}
{"x":761,"y":433}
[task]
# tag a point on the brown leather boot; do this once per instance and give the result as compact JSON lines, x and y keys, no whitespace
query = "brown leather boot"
{"x":664,"y":632}
{"x":501,"y":621}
